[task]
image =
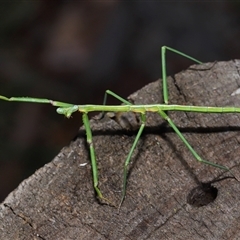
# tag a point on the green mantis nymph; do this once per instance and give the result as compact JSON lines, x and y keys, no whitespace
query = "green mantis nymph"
{"x":68,"y":109}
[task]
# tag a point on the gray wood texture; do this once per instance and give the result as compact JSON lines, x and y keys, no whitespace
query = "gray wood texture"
{"x":58,"y":201}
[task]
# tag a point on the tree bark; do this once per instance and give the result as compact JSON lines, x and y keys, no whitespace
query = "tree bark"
{"x":162,"y":202}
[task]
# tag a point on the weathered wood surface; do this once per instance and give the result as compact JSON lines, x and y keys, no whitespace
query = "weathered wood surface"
{"x":58,"y":202}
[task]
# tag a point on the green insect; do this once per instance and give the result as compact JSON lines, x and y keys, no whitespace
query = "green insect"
{"x":68,"y":109}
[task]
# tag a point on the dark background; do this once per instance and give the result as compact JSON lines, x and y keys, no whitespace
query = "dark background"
{"x":74,"y":50}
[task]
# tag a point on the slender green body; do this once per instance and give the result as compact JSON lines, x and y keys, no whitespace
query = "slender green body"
{"x":68,"y":109}
{"x":156,"y":108}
